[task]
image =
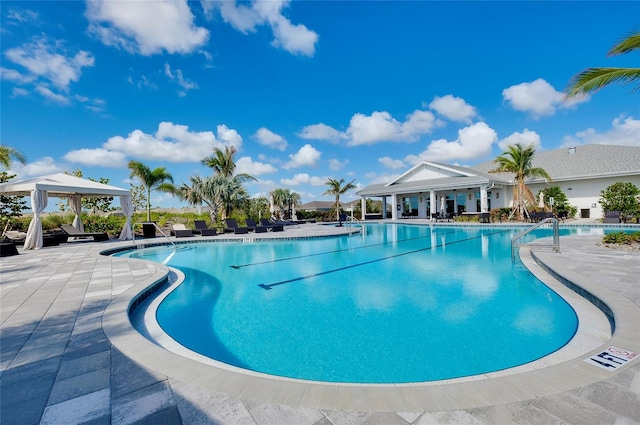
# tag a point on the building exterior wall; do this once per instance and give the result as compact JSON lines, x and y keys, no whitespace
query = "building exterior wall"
{"x":585,"y":194}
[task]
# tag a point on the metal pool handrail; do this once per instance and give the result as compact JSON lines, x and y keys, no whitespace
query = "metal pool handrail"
{"x":556,"y":236}
{"x":159,"y":229}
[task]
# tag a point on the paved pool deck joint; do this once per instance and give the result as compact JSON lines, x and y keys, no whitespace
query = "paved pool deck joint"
{"x":59,"y":304}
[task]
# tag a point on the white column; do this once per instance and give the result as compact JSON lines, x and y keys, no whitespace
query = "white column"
{"x":394,"y":207}
{"x":433,"y":203}
{"x":363,"y":207}
{"x":483,"y":199}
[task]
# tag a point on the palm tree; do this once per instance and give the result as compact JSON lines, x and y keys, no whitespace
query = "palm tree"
{"x":9,"y":154}
{"x":593,"y":79}
{"x":222,"y":162}
{"x":220,"y":193}
{"x":336,"y":189}
{"x":285,"y":200}
{"x":230,"y":192}
{"x":518,"y":160}
{"x":157,"y":179}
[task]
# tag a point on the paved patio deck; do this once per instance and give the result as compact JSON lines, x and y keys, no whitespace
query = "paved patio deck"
{"x":58,"y":366}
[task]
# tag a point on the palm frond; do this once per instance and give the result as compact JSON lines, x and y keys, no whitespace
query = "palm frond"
{"x":627,"y":44}
{"x":593,"y":79}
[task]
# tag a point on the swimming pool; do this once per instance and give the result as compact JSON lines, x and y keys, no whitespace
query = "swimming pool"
{"x":399,"y":303}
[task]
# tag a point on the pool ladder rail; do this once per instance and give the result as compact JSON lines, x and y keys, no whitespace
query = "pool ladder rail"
{"x":556,"y":236}
{"x":157,"y":228}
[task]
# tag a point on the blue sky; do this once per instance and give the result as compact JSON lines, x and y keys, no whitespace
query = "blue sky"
{"x":305,"y":90}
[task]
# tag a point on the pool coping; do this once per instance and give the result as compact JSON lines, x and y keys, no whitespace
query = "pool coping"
{"x":429,"y":396}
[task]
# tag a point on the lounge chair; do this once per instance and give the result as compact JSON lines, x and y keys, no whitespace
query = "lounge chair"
{"x":563,"y":215}
{"x":202,"y":228}
{"x":179,"y":230}
{"x":271,"y":225}
{"x":252,"y":225}
{"x":71,"y":231}
{"x":8,"y":248}
{"x":15,"y":236}
{"x":232,"y":226}
{"x":612,"y":217}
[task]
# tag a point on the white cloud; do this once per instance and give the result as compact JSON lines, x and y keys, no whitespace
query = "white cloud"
{"x":141,"y":82}
{"x":306,"y":155}
{"x":22,"y":16}
{"x":375,"y":178}
{"x":41,"y":167}
{"x":320,"y":132}
{"x":538,"y":98}
{"x":15,"y":76}
{"x":303,"y":178}
{"x":170,"y":143}
{"x":336,"y":164}
{"x":624,"y":131}
{"x":382,"y":127}
{"x":97,"y":158}
{"x":146,"y":27}
{"x":295,"y":39}
{"x":180,"y":80}
{"x":18,"y":92}
{"x":47,"y":93}
{"x":388,"y":162}
{"x":49,"y":62}
{"x":526,"y":138}
{"x":473,"y":142}
{"x":253,"y":168}
{"x":229,"y":136}
{"x":453,"y":108}
{"x":266,"y":137}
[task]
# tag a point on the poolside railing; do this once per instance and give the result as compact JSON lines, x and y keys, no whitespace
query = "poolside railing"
{"x":157,"y":228}
{"x":556,"y":236}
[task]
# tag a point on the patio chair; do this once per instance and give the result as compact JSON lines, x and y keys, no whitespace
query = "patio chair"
{"x":71,"y":231}
{"x":232,"y":226}
{"x":8,"y":248}
{"x":485,"y":217}
{"x":15,"y":236}
{"x":179,"y":230}
{"x":271,"y":225}
{"x":202,"y":228}
{"x":255,"y":227}
{"x":612,"y":217}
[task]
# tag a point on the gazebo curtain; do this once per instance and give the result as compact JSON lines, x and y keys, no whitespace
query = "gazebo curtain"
{"x":76,"y":206}
{"x":127,"y":208}
{"x":34,"y":234}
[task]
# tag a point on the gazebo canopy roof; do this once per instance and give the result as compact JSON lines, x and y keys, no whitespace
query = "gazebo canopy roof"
{"x":61,"y":186}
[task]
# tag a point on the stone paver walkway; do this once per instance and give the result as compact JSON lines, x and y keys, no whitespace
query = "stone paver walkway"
{"x":58,"y":367}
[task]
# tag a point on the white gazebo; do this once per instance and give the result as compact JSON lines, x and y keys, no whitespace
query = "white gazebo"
{"x":64,"y":186}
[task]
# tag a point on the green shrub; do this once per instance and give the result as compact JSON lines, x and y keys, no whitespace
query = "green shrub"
{"x":500,"y":214}
{"x":52,"y":222}
{"x":622,"y":238}
{"x":110,"y":224}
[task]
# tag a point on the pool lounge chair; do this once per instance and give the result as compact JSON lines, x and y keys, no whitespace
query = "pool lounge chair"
{"x":71,"y":231}
{"x":179,"y":230}
{"x":257,"y":228}
{"x":202,"y":228}
{"x":232,"y":226}
{"x":15,"y":236}
{"x":271,"y":225}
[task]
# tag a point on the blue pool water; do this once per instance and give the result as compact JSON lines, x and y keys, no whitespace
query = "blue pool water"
{"x":397,"y":304}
